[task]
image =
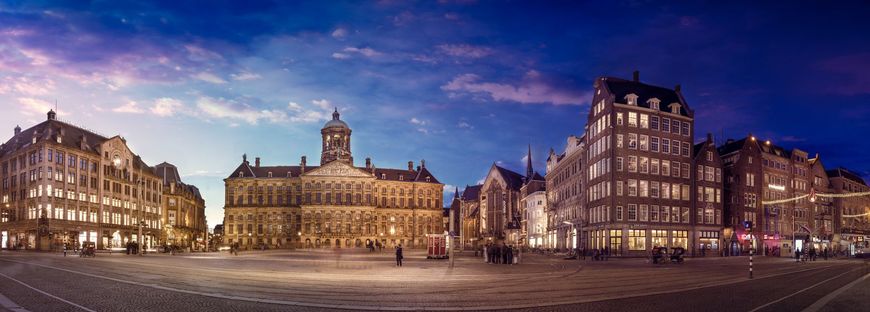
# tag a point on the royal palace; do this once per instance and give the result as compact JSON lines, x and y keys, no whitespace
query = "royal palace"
{"x":335,"y":204}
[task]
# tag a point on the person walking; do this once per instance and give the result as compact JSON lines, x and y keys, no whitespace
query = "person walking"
{"x":399,"y":255}
{"x":797,"y":255}
{"x":825,"y":253}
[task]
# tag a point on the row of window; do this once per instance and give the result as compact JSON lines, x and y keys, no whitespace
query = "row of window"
{"x":654,"y":189}
{"x":653,"y":213}
{"x":655,"y":166}
{"x":644,"y":142}
{"x":644,"y":121}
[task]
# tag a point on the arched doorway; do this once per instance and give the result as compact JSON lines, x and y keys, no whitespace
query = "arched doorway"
{"x":358,"y":243}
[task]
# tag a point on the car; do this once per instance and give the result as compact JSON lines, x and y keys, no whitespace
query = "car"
{"x":223,"y":247}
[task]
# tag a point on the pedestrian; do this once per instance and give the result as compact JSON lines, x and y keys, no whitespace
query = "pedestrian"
{"x":825,"y":254}
{"x":510,"y":255}
{"x":399,"y":255}
{"x":797,"y":255}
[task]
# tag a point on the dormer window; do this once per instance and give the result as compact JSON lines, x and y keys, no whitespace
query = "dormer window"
{"x":428,"y":179}
{"x":401,"y":178}
{"x":241,"y":174}
{"x":289,"y":174}
{"x":383,"y":176}
{"x":675,"y":108}
{"x":631,"y":99}
{"x":653,"y":103}
{"x":270,"y":174}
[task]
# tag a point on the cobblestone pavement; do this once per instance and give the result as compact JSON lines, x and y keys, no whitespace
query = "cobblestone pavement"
{"x":326,"y":280}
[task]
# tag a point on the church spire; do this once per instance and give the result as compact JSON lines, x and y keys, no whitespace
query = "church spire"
{"x":456,"y":193}
{"x":530,"y":172}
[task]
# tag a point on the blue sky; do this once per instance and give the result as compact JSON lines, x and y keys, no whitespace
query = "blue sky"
{"x":461,"y":84}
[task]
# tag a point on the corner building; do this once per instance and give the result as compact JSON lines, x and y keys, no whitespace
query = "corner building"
{"x":63,"y":184}
{"x":638,"y":159}
{"x":335,"y":204}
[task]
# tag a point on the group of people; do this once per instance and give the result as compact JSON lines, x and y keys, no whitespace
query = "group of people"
{"x":234,"y":248}
{"x":371,"y":245}
{"x":811,"y":255}
{"x":599,"y":254}
{"x":499,"y":253}
{"x":132,"y":248}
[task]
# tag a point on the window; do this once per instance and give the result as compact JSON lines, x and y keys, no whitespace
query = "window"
{"x":654,"y":189}
{"x":666,"y":167}
{"x":681,"y":239}
{"x":685,"y":191}
{"x":632,"y":119}
{"x":654,"y":144}
{"x":618,"y":213}
{"x":685,"y":128}
{"x":632,"y":212}
{"x":644,"y":139}
{"x":685,"y":214}
{"x":675,"y":169}
{"x":619,"y":188}
{"x":618,"y":163}
{"x":750,"y":179}
{"x":632,"y":140}
{"x":666,"y":125}
{"x":654,"y":103}
{"x":631,"y":99}
{"x":643,"y":185}
{"x":685,"y":149}
{"x":644,"y":121}
{"x":618,"y":141}
{"x":659,"y":238}
{"x":632,"y":163}
{"x":644,"y":209}
{"x":654,"y":213}
{"x":637,"y":239}
{"x":644,"y":165}
{"x":685,"y":169}
{"x":675,"y":108}
{"x":618,"y":119}
{"x":709,"y":156}
{"x":675,"y":214}
{"x":654,"y":122}
{"x":750,"y":200}
{"x":666,"y":146}
{"x":654,"y":166}
{"x":632,"y":187}
{"x":665,"y":214}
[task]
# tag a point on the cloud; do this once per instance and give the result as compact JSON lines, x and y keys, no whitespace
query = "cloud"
{"x":348,"y":52}
{"x":244,"y":76}
{"x":32,"y":106}
{"x":319,"y":110}
{"x":403,"y":18}
{"x":166,"y":107}
{"x":22,"y":85}
{"x":339,"y":33}
{"x":340,"y":56}
{"x":846,"y":74}
{"x":531,"y":90}
{"x":449,"y":189}
{"x":418,"y":122}
{"x":465,"y":50}
{"x":235,"y":110}
{"x":131,"y":107}
{"x":209,"y":77}
{"x":205,"y":173}
{"x":791,"y":138}
{"x":464,"y":125}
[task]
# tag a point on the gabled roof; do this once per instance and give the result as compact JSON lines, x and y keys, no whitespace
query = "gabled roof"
{"x":471,"y":192}
{"x":730,"y":147}
{"x":421,"y":176}
{"x":513,"y":179}
{"x":846,"y":174}
{"x":620,"y":88}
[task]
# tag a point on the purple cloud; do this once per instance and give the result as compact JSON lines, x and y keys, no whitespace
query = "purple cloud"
{"x":533,"y":89}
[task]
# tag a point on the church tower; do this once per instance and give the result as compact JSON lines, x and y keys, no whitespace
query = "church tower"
{"x":336,"y":141}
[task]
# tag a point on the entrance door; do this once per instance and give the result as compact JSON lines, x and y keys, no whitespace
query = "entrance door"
{"x":4,"y":240}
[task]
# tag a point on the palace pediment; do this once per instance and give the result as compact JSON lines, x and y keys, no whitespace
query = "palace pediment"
{"x":338,"y":169}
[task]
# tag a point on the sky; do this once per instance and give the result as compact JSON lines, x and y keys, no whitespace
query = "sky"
{"x":461,"y":84}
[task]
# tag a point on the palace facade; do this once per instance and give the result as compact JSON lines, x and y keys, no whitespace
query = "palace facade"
{"x":335,"y":204}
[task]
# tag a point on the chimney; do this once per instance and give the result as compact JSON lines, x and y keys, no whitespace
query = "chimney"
{"x":304,"y":161}
{"x":709,"y":137}
{"x":423,"y":163}
{"x":410,"y":166}
{"x":677,"y":88}
{"x":636,"y":76}
{"x":418,"y":168}
{"x":257,"y":162}
{"x":52,"y":115}
{"x":368,"y":162}
{"x":17,"y":130}
{"x":244,"y":158}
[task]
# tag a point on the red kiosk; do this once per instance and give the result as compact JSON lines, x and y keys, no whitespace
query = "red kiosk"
{"x":437,"y":246}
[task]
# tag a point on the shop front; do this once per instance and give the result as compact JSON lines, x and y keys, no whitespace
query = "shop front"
{"x":708,"y":243}
{"x":772,"y":244}
{"x":4,"y":239}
